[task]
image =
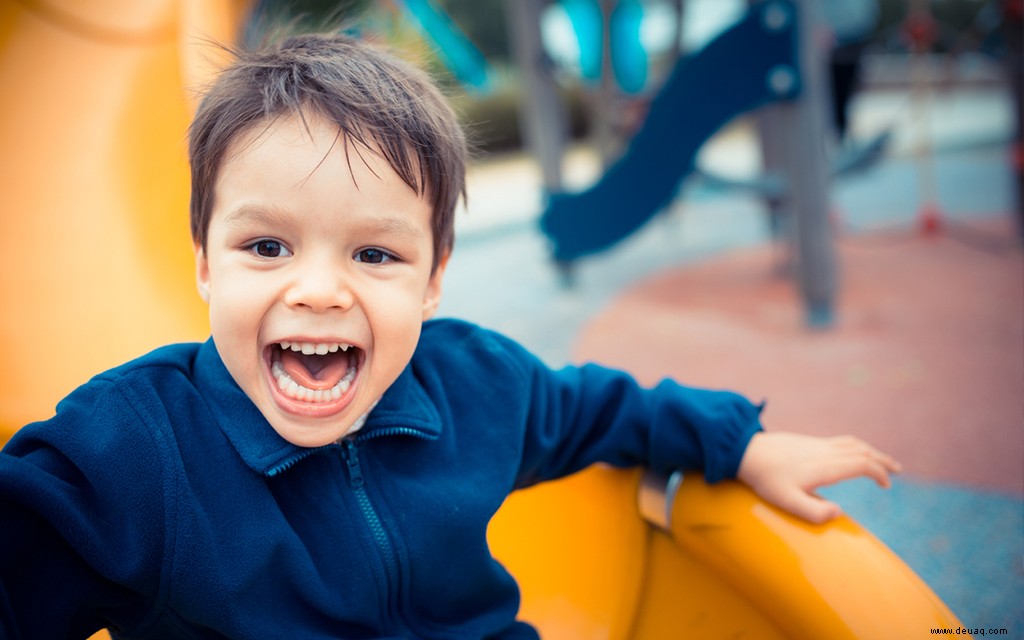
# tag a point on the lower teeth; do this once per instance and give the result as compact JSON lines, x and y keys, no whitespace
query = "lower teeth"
{"x":295,"y":391}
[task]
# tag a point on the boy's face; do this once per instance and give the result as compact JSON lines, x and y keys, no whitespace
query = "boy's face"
{"x":317,"y":272}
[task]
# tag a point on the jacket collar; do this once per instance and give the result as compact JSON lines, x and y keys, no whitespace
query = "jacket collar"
{"x":405,"y":409}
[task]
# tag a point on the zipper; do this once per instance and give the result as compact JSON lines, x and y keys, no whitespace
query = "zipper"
{"x":288,"y":463}
{"x":350,"y":452}
{"x":358,"y":482}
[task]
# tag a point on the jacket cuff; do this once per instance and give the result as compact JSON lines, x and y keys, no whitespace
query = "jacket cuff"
{"x":723,"y":462}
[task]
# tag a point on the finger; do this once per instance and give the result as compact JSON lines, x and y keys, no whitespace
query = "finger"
{"x":819,"y":511}
{"x":890,"y":463}
{"x":807,"y":506}
{"x":848,"y":442}
{"x":848,"y":467}
{"x":855,"y":444}
{"x":878,"y":466}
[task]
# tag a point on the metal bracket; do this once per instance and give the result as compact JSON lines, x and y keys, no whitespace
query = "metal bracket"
{"x":656,"y":496}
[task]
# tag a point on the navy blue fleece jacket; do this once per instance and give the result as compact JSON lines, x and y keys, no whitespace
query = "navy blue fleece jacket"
{"x":159,"y":502}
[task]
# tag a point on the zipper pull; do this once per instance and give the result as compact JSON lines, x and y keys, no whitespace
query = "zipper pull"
{"x":355,"y":472}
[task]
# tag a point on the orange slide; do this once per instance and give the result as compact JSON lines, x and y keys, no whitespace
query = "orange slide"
{"x":97,"y":267}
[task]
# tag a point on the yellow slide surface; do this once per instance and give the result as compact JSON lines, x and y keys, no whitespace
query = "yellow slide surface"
{"x":97,"y":266}
{"x":715,"y":562}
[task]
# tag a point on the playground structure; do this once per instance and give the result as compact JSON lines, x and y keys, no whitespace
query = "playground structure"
{"x":696,"y":100}
{"x":100,"y":271}
{"x":767,"y":57}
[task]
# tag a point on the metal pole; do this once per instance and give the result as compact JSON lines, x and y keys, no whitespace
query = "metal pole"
{"x":606,"y":108}
{"x":804,"y":123}
{"x":771,"y":129}
{"x":542,"y":115}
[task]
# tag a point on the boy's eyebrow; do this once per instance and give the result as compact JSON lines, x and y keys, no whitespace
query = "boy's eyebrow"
{"x":386,"y":224}
{"x":392,"y":224}
{"x":248,"y":214}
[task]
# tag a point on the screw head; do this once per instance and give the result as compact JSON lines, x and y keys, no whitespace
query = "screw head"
{"x":782,"y":79}
{"x":775,"y":17}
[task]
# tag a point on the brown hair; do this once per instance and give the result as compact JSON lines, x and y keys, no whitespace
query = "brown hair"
{"x":375,"y":99}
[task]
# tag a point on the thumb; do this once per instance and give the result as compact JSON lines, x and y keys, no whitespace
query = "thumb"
{"x":807,"y":506}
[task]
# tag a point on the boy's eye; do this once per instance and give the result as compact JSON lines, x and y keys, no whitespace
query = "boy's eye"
{"x":269,"y":249}
{"x":374,"y":256}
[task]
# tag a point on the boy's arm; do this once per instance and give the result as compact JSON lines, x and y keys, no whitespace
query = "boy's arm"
{"x":75,"y":545}
{"x":718,"y":432}
{"x":786,"y":468}
{"x":47,"y":589}
{"x":582,"y":415}
{"x":560,"y":421}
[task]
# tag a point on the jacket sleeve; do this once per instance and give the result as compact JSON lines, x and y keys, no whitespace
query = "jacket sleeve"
{"x":82,"y":512}
{"x":582,"y":415}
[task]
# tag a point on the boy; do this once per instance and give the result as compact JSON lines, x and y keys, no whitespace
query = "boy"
{"x":326,"y":465}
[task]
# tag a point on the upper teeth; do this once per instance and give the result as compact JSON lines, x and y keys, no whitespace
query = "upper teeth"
{"x":318,"y":348}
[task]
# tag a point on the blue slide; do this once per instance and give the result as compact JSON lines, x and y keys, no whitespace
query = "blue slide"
{"x":461,"y":57}
{"x":750,"y":64}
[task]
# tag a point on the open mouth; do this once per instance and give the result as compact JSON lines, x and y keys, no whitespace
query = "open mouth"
{"x":318,"y":373}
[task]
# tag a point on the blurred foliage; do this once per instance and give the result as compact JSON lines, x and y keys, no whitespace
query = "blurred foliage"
{"x":483,"y":22}
{"x":308,"y":15}
{"x":492,"y":121}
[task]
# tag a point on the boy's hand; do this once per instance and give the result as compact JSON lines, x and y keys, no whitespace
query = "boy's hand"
{"x":785,"y":469}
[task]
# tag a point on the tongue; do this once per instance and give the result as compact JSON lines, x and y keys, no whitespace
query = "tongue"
{"x":315,"y":372}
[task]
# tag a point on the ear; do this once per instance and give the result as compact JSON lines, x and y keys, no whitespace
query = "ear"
{"x":432,"y":295}
{"x":202,"y":274}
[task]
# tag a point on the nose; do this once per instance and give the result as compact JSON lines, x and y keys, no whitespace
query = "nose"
{"x":319,"y":287}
